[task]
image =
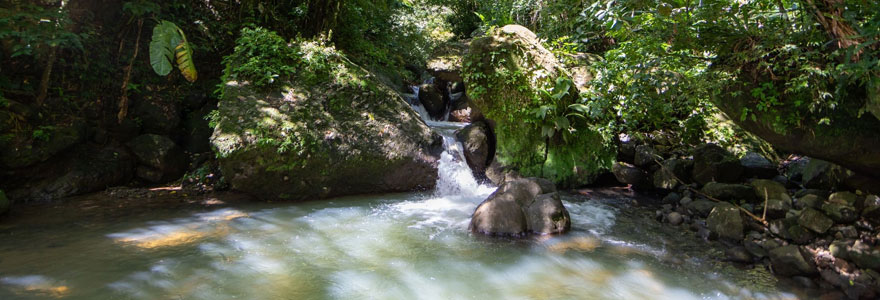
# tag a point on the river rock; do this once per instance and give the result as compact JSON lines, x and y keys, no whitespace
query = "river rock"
{"x":840,"y":213}
{"x":37,"y":150}
{"x":788,"y":261}
{"x":461,"y":111}
{"x":629,"y":174}
{"x":864,"y":255}
{"x":768,"y":188}
{"x":809,"y":200}
{"x":814,"y":220}
{"x":479,"y":147}
{"x":646,"y":156}
{"x":725,"y":220}
{"x":159,"y":153}
{"x":848,"y":199}
{"x":309,"y":139}
{"x":820,"y":174}
{"x":547,"y":215}
{"x":674,"y":218}
{"x":84,"y":168}
{"x":755,"y":165}
{"x":729,"y":191}
{"x":700,"y":207}
{"x":518,"y":207}
{"x":871,"y":212}
{"x":713,"y":163}
{"x":432,"y":99}
{"x":665,"y":177}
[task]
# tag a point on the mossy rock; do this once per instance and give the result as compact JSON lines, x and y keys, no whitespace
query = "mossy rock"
{"x":507,"y":73}
{"x":339,"y":134}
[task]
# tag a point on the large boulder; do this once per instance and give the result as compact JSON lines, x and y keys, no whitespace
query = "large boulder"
{"x":726,"y":222}
{"x":755,"y":165}
{"x":713,"y":163}
{"x":25,"y":151}
{"x":507,"y":73}
{"x":84,"y":168}
{"x":328,"y":134}
{"x":519,"y":207}
{"x":160,"y":158}
{"x":479,"y":146}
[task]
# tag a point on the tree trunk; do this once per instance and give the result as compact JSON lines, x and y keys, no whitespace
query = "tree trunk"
{"x":850,"y":141}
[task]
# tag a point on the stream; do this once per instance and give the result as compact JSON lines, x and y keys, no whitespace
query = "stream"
{"x":397,"y":246}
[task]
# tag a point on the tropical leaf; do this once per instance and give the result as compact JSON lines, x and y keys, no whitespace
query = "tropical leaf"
{"x":183,"y":52}
{"x":169,"y":46}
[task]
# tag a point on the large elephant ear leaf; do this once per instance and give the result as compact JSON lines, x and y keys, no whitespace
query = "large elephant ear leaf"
{"x":161,"y":49}
{"x":183,"y":53}
{"x":169,"y":46}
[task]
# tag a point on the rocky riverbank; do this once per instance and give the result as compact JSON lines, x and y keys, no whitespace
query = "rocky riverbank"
{"x":804,"y":219}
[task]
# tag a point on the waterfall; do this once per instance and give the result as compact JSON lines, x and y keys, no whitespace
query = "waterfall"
{"x":455,"y":177}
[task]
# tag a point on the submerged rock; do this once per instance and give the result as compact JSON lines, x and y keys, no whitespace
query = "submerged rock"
{"x":713,"y":163}
{"x":342,"y":134}
{"x":519,"y":207}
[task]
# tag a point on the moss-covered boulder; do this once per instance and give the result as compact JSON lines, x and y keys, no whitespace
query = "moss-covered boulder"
{"x":330,"y":129}
{"x":516,"y":82}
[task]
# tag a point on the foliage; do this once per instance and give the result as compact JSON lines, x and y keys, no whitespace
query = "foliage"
{"x":169,"y":45}
{"x":30,"y":28}
{"x":261,"y":56}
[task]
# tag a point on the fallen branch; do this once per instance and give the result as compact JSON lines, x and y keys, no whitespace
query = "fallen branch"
{"x":763,"y":221}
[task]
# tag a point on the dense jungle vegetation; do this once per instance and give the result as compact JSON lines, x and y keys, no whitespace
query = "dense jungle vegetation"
{"x":776,"y":67}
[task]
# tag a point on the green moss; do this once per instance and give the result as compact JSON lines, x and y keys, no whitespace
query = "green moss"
{"x":509,"y":79}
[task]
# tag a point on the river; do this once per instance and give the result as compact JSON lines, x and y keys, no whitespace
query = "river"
{"x":399,"y":246}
